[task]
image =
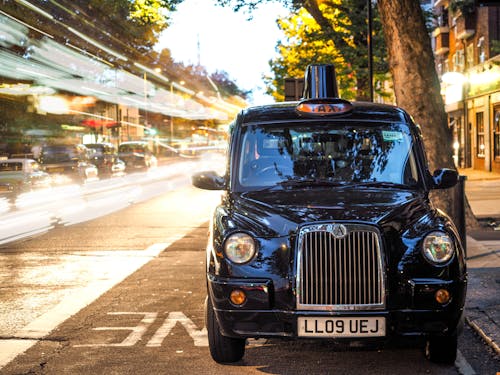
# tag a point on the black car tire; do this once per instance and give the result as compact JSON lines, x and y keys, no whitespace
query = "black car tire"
{"x":222,"y":349}
{"x":442,"y":349}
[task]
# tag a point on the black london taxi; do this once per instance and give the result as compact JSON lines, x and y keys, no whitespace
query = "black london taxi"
{"x":325,"y":230}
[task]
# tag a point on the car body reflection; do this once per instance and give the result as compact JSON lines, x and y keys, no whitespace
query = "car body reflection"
{"x":105,"y":157}
{"x":21,"y":175}
{"x":137,"y":156}
{"x":68,"y":163}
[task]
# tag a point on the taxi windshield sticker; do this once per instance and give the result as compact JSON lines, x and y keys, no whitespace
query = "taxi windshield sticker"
{"x":392,"y":136}
{"x":271,"y":143}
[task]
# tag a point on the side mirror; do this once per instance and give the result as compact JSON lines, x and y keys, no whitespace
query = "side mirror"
{"x":208,"y":180}
{"x":444,"y":178}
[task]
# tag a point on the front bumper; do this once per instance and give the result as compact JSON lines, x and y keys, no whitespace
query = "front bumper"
{"x":259,"y":316}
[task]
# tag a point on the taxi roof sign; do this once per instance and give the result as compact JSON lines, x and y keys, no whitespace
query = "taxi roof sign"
{"x":320,"y":82}
{"x":324,"y":107}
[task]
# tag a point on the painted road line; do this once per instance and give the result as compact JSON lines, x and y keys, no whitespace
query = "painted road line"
{"x":10,"y":349}
{"x":463,"y":367}
{"x":199,"y":336}
{"x":136,"y":332}
{"x":69,"y":306}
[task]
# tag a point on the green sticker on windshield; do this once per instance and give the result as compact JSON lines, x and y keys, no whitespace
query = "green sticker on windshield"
{"x":391,"y":136}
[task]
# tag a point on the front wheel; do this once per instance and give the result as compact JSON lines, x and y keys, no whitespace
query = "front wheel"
{"x":222,"y":349}
{"x":442,"y":349}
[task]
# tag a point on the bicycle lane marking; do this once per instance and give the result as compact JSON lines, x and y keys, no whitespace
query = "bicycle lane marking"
{"x":199,"y":336}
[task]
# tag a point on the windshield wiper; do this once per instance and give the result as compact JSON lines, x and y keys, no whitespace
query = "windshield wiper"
{"x":310,"y":182}
{"x":381,"y":184}
{"x":262,"y":189}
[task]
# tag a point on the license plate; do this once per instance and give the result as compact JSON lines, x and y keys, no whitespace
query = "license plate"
{"x":341,"y":327}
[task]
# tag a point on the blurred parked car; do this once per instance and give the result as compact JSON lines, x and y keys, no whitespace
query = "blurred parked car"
{"x":105,"y":157}
{"x":68,"y":163}
{"x":137,"y":155}
{"x":21,"y":175}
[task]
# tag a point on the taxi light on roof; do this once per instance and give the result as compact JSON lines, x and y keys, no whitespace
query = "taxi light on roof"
{"x":324,"y":107}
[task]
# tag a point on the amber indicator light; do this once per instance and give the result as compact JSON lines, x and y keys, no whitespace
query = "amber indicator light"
{"x":442,"y":296}
{"x":238,"y":297}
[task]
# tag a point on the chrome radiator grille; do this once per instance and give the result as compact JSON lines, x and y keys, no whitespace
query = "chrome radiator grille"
{"x":339,"y":268}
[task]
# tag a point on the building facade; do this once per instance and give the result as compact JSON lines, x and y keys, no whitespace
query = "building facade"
{"x":466,"y":43}
{"x":65,"y":82}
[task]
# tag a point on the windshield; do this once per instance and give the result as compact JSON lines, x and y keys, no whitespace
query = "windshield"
{"x":326,"y":154}
{"x":140,"y":149}
{"x":60,"y":154}
{"x":99,"y":150}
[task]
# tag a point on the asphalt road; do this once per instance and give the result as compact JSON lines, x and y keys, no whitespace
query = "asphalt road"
{"x":124,"y":294}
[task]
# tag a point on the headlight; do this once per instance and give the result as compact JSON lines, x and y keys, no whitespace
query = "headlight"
{"x":239,"y":248}
{"x":438,"y":247}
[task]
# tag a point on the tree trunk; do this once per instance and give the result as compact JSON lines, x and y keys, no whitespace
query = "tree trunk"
{"x":416,"y":85}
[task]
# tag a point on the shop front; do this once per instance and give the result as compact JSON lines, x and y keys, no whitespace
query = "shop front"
{"x":473,"y":106}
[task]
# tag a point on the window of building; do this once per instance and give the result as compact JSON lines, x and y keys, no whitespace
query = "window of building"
{"x":480,"y":134}
{"x":459,"y":61}
{"x":470,"y":56}
{"x":496,"y":134}
{"x":481,"y":50}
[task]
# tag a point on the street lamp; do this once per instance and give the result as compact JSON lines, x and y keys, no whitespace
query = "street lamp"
{"x":370,"y":49}
{"x":145,"y":80}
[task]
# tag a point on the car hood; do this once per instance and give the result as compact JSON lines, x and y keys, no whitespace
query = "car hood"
{"x":278,"y":213}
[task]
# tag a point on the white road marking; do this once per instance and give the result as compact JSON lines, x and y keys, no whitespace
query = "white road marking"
{"x":69,"y":306}
{"x":199,"y":336}
{"x":10,"y":349}
{"x":463,"y":367}
{"x":134,"y":336}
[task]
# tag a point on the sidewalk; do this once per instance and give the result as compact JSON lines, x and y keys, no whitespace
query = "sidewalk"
{"x":476,"y":175}
{"x":482,"y":308}
{"x":483,"y":261}
{"x":483,"y":194}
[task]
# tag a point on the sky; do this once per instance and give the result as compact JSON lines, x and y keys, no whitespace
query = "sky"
{"x":220,"y":39}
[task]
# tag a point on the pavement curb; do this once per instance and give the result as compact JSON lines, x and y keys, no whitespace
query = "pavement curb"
{"x":483,"y":335}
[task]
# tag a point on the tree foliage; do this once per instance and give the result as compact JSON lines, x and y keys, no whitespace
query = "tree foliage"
{"x":329,"y":31}
{"x":462,"y":6}
{"x":134,"y":22}
{"x":129,"y":26}
{"x":305,"y":43}
{"x":250,"y":5}
{"x":226,"y":85}
{"x":195,"y":76}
